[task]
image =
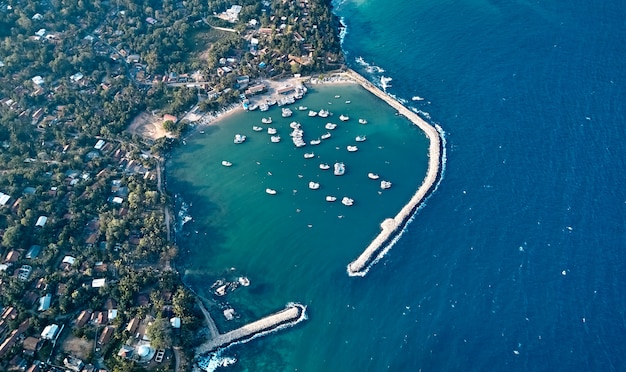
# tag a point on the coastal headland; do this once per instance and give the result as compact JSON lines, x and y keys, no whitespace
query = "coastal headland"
{"x":293,"y":314}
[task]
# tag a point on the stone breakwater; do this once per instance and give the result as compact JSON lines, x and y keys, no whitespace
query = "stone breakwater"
{"x":293,"y":314}
{"x":392,"y":226}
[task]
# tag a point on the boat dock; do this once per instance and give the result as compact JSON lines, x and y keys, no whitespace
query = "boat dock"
{"x":293,"y":314}
{"x":391,"y":227}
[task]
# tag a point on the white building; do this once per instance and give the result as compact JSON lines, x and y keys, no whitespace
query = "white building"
{"x":50,"y":332}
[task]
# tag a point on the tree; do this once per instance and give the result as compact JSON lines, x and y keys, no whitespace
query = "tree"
{"x":160,"y":334}
{"x":13,"y":237}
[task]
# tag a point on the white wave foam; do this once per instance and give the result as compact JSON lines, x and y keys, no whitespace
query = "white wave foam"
{"x":387,"y":248}
{"x":384,"y":83}
{"x":215,"y":360}
{"x":370,"y":68}
{"x":343,"y":31}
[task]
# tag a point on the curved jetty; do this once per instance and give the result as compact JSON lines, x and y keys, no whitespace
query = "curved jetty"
{"x":393,"y":226}
{"x":293,"y":314}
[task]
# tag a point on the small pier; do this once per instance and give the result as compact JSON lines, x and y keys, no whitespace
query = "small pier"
{"x":293,"y":314}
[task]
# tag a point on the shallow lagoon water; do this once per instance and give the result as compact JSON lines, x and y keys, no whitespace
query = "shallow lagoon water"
{"x":294,"y":246}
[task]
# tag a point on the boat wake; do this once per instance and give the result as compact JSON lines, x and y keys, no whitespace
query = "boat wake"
{"x":388,"y":246}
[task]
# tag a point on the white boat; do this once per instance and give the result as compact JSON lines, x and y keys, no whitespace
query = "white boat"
{"x":271,"y":102}
{"x":264,"y":107}
{"x":323,"y":113}
{"x":347,"y":201}
{"x":372,"y":176}
{"x":325,"y":136}
{"x":324,"y":166}
{"x":270,"y":191}
{"x":314,"y":185}
{"x":360,"y":138}
{"x":309,"y":155}
{"x":362,"y":121}
{"x":256,"y":128}
{"x":348,"y":102}
{"x":275,"y":139}
{"x":267,"y":120}
{"x":385,"y":185}
{"x":239,"y":138}
{"x":331,"y":198}
{"x":294,"y":125}
{"x":302,"y":108}
{"x":298,"y":142}
{"x":312,"y":113}
{"x":352,"y":148}
{"x":253,"y":107}
{"x":271,"y":130}
{"x":316,"y":141}
{"x":337,"y":96}
{"x":330,"y":126}
{"x":226,"y":163}
{"x":286,"y":112}
{"x":340,"y":169}
{"x":344,"y":118}
{"x":244,"y":281}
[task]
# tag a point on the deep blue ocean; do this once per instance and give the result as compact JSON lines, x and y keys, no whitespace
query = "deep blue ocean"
{"x":518,"y":260}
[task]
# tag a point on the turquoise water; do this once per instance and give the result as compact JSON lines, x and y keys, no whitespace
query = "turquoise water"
{"x":293,"y":246}
{"x":517,"y":261}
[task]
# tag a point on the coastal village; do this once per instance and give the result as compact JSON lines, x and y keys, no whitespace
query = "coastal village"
{"x":92,"y":98}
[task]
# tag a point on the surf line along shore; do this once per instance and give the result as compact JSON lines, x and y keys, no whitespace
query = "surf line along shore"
{"x":391,"y":227}
{"x":293,"y":314}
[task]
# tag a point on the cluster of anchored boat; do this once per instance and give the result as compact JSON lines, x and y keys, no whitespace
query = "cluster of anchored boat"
{"x":297,"y":136}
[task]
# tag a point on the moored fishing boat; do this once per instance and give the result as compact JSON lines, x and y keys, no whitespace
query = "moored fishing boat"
{"x":330,"y":126}
{"x":239,"y":138}
{"x":360,"y":138}
{"x":302,"y":108}
{"x":286,"y":112}
{"x":314,"y":185}
{"x":316,"y":141}
{"x":312,"y":113}
{"x":323,"y":113}
{"x":362,"y":121}
{"x":271,"y":130}
{"x":385,"y":185}
{"x":344,"y":117}
{"x":309,"y":155}
{"x":270,"y":191}
{"x":256,"y":128}
{"x":267,"y":120}
{"x":347,"y":201}
{"x":325,"y":136}
{"x":264,"y":107}
{"x":324,"y":166}
{"x":294,"y":125}
{"x":340,"y":169}
{"x":331,"y":198}
{"x":352,"y":148}
{"x":275,"y":139}
{"x":226,"y":163}
{"x":372,"y":176}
